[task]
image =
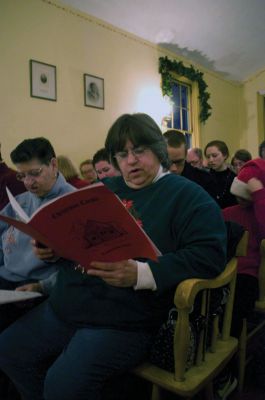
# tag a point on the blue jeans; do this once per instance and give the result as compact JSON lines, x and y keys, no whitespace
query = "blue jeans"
{"x":49,"y":359}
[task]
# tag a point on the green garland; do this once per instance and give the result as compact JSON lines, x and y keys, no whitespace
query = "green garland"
{"x":166,"y":67}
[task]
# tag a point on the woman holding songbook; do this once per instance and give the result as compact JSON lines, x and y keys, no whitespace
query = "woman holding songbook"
{"x":99,"y":324}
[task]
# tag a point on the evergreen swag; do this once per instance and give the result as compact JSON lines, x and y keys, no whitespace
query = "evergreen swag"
{"x":166,"y":67}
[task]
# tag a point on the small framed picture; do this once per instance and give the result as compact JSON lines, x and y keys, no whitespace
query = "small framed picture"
{"x":94,"y":91}
{"x":43,"y":80}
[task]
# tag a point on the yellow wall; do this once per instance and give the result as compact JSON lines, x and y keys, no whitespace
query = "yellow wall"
{"x":253,"y":112}
{"x":76,"y":43}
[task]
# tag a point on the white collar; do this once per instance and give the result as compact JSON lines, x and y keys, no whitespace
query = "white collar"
{"x":160,"y":174}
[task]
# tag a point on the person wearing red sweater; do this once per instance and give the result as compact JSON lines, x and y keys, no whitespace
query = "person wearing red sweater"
{"x":249,"y":188}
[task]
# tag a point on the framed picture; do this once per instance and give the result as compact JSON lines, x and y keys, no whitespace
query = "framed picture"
{"x":94,"y":91}
{"x":43,"y":80}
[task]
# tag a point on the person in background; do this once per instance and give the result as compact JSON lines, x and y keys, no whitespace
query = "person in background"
{"x":8,"y":179}
{"x":262,"y":150}
{"x":20,"y":269}
{"x":99,"y":325}
{"x":67,"y":168}
{"x":87,"y":171}
{"x":249,"y":189}
{"x":102,"y":165}
{"x":177,"y":152}
{"x":216,"y":153}
{"x":239,"y":159}
{"x":195,"y":157}
{"x":36,"y":166}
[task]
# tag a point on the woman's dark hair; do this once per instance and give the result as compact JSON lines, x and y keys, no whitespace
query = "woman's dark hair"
{"x":261,"y":147}
{"x":242,"y":155}
{"x":141,"y":130}
{"x":220,"y":145}
{"x":39,"y":148}
{"x":100,"y":155}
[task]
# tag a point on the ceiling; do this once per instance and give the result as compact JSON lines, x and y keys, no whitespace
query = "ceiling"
{"x":225,"y":36}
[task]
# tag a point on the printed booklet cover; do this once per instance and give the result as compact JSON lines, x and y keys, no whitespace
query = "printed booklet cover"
{"x":89,"y":224}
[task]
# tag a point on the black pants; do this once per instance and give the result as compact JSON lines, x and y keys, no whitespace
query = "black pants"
{"x":247,"y":292}
{"x":9,"y":313}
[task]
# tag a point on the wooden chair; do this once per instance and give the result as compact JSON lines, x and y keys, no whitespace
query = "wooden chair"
{"x":250,"y":332}
{"x":209,"y":361}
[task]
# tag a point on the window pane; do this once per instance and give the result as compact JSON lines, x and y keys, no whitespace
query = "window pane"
{"x":184,"y":96}
{"x":188,"y":140}
{"x":185,"y":124}
{"x":176,"y":94}
{"x":176,"y":118}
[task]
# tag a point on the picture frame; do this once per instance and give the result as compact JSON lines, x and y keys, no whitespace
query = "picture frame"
{"x":94,"y":91}
{"x":43,"y":83}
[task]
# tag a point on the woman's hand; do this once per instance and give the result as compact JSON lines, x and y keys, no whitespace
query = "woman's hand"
{"x":43,"y":253}
{"x":30,"y":287}
{"x":120,"y":274}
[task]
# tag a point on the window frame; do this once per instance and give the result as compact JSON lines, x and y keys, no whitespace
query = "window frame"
{"x":194,"y":109}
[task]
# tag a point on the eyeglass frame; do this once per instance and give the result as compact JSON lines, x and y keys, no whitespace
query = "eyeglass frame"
{"x":137,"y":152}
{"x":177,"y":162}
{"x":21,"y":176}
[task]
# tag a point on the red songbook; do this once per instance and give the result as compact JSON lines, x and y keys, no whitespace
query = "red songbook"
{"x":89,"y":224}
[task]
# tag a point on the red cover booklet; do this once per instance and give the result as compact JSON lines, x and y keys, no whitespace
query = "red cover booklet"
{"x":89,"y":224}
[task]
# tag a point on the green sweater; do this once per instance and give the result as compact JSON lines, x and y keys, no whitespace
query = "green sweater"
{"x":187,"y":227}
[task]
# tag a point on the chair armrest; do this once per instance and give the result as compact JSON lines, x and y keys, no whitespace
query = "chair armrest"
{"x":242,"y":246}
{"x":187,"y":290}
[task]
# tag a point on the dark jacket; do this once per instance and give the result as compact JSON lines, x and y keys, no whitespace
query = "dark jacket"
{"x":187,"y":227}
{"x":201,"y":177}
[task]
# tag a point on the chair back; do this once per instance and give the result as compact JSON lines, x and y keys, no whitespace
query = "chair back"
{"x":212,"y":353}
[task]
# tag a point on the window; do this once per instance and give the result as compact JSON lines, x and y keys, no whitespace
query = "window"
{"x":181,"y":110}
{"x":185,"y":111}
{"x":181,"y":107}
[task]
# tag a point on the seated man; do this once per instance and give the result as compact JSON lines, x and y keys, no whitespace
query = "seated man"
{"x":102,"y":165}
{"x":195,"y":158}
{"x":177,"y":152}
{"x":8,"y":179}
{"x":36,"y":164}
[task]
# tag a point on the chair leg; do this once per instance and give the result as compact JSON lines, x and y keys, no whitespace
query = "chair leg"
{"x":209,"y":391}
{"x":156,"y":392}
{"x":242,"y":345}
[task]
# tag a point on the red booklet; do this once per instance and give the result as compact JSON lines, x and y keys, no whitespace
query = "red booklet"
{"x":89,"y":224}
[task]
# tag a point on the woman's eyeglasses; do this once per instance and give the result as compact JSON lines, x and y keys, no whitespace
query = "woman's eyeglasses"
{"x":136,"y":152}
{"x":34,"y":173}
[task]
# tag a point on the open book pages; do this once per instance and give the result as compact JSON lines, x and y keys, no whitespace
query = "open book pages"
{"x":16,"y":207}
{"x":89,"y":224}
{"x":12,"y":296}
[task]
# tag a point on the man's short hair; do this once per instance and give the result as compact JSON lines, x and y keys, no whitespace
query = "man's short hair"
{"x":175,"y":138}
{"x":38,"y":148}
{"x":198,"y":152}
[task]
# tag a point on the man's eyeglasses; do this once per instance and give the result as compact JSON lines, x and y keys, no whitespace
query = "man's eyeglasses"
{"x":34,"y":173}
{"x":137,"y":152}
{"x":177,"y":162}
